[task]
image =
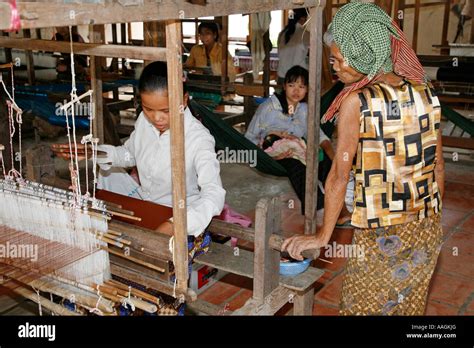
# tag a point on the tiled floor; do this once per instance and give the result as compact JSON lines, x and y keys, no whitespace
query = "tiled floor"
{"x":452,"y":287}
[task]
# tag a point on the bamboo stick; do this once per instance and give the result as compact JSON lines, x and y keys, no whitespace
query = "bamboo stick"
{"x":115,"y":233}
{"x":135,"y":292}
{"x":53,"y":307}
{"x":65,"y":291}
{"x":118,"y":239}
{"x":110,"y":241}
{"x":134,"y":259}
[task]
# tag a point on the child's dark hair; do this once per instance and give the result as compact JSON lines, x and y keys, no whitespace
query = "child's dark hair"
{"x":297,"y":72}
{"x":211,"y":26}
{"x":292,"y":75}
{"x":291,"y":26}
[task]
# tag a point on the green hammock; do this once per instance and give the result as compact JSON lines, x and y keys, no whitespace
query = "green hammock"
{"x":458,"y":119}
{"x":226,"y":136}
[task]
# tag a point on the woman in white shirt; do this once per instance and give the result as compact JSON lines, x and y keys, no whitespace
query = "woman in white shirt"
{"x":293,"y":44}
{"x":148,"y":148}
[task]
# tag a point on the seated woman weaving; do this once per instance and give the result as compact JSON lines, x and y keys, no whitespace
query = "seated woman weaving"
{"x":148,"y":148}
{"x":285,"y":116}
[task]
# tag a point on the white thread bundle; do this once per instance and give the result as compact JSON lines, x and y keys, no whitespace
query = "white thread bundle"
{"x":55,"y":215}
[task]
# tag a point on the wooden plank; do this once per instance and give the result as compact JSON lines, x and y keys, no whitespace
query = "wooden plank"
{"x":200,"y":307}
{"x":273,"y":302}
{"x":89,"y":49}
{"x":144,"y":240}
{"x":458,"y":142}
{"x":303,"y":303}
{"x":8,"y":299}
{"x":96,"y":85}
{"x":156,"y":284}
{"x":178,"y":168}
{"x":266,"y":260}
{"x":302,"y":281}
{"x":42,"y":14}
{"x":314,"y":96}
{"x":223,"y":257}
{"x":227,"y":259}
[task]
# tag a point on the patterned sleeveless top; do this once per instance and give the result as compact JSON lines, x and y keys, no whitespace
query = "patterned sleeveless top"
{"x":396,"y":155}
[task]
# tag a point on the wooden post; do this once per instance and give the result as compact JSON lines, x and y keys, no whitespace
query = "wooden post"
{"x":114,"y":66}
{"x":314,"y":96}
{"x":30,"y":66}
{"x":96,"y":85}
{"x":386,"y":5}
{"x":249,"y":103}
{"x":266,"y":260}
{"x":8,"y":57}
{"x":399,"y":6}
{"x":225,"y":43}
{"x":415,"y":25}
{"x":178,"y":169}
{"x":303,"y":303}
{"x":444,"y":38}
{"x":266,"y":65}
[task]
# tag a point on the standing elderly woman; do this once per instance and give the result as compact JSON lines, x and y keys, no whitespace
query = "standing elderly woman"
{"x":389,"y":120}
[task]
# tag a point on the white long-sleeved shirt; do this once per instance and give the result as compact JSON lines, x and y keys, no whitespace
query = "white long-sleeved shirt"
{"x":150,"y":152}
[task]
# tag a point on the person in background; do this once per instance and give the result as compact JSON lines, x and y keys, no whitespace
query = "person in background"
{"x":63,"y":66}
{"x":209,"y":53}
{"x":293,"y":44}
{"x":284,"y":115}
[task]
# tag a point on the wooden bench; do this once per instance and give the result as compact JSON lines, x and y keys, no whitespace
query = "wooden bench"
{"x":270,"y":290}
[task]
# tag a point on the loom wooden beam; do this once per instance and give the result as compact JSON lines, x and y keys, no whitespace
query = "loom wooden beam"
{"x":248,"y":234}
{"x":314,"y":96}
{"x":178,"y":168}
{"x":82,"y":12}
{"x":89,"y":49}
{"x":144,"y":240}
{"x":96,"y":36}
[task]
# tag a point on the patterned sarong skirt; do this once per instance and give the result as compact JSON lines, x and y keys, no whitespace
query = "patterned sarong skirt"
{"x":392,"y":274}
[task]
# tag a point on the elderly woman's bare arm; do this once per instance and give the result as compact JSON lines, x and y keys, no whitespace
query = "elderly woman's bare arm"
{"x":338,"y":177}
{"x":336,"y":182}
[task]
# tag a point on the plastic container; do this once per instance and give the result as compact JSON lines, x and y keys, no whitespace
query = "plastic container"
{"x":294,"y":267}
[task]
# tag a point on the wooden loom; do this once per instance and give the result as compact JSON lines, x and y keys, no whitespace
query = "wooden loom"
{"x":270,"y":292}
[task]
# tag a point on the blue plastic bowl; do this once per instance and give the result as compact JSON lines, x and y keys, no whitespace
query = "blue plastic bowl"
{"x":294,"y":268}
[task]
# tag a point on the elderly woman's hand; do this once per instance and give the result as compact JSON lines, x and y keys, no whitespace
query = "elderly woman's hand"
{"x":297,"y":244}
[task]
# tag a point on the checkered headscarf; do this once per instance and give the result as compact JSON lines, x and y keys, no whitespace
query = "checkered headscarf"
{"x":373,"y":44}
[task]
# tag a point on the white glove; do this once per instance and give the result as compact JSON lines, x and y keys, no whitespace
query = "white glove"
{"x":106,"y":161}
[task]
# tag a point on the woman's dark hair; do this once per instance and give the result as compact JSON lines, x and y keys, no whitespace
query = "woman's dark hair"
{"x":292,"y":75}
{"x":290,"y":28}
{"x":154,"y":78}
{"x":211,"y":26}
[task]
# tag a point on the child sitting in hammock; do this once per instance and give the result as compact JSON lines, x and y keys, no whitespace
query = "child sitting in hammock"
{"x":280,"y":126}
